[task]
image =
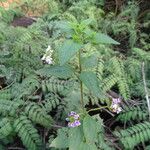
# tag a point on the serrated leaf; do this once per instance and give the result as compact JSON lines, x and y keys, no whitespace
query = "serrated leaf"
{"x":88,"y":124}
{"x":100,"y":38}
{"x":68,"y":50}
{"x":91,"y":82}
{"x":58,"y":71}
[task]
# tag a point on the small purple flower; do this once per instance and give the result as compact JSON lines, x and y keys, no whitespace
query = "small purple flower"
{"x":77,"y":123}
{"x":76,"y":117}
{"x":115,"y":107}
{"x":72,"y":113}
{"x":116,"y":100}
{"x":73,"y":119}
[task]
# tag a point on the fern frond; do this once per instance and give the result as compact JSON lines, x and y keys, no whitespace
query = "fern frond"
{"x":28,"y":134}
{"x":57,"y":85}
{"x":124,"y":88}
{"x":134,"y":68}
{"x":117,"y":66}
{"x":99,"y":69}
{"x":51,"y":101}
{"x":8,"y":107}
{"x":38,"y":115}
{"x":133,"y":113}
{"x":5,"y":128}
{"x":142,"y":54}
{"x":109,"y":82}
{"x":28,"y":86}
{"x":134,"y":135}
{"x":118,"y":70}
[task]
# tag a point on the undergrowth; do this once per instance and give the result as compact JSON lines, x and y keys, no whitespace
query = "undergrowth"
{"x":74,"y":58}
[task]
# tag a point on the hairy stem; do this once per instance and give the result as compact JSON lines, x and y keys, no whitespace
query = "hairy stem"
{"x":81,"y":84}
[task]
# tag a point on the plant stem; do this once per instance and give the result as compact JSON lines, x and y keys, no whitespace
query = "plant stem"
{"x":81,"y":84}
{"x":99,"y":108}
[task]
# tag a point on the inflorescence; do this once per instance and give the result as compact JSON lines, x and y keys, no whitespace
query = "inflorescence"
{"x":47,"y":57}
{"x":73,"y":119}
{"x":115,"y":106}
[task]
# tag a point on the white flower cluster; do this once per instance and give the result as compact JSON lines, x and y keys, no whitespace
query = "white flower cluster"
{"x":115,"y":105}
{"x":47,"y":57}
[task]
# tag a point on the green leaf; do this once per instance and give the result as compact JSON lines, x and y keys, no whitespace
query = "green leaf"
{"x":61,"y":141}
{"x":87,"y":146}
{"x":68,"y":50}
{"x":64,"y":26}
{"x":75,"y":137}
{"x":91,"y":82}
{"x":104,"y":39}
{"x":89,"y":62}
{"x":58,"y":71}
{"x":88,"y":124}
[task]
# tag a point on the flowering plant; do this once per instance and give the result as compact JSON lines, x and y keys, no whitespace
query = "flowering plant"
{"x":115,"y":107}
{"x":73,"y":119}
{"x":80,"y":34}
{"x":47,"y":57}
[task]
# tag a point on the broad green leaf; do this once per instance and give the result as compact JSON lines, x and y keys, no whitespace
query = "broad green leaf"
{"x":68,"y":50}
{"x":61,"y":141}
{"x":75,"y":137}
{"x":58,"y":71}
{"x":100,"y":38}
{"x":90,"y":129}
{"x":87,"y":146}
{"x":91,"y":82}
{"x":89,"y":62}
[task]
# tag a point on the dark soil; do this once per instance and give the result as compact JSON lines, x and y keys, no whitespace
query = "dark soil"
{"x":23,"y":22}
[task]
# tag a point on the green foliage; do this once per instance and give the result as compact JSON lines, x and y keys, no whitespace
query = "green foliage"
{"x":9,"y":107}
{"x":142,"y":54}
{"x":37,"y":115}
{"x":118,"y":77}
{"x":80,"y":137}
{"x":35,"y":97}
{"x":133,"y":113}
{"x":91,"y":82}
{"x":58,"y":71}
{"x":134,"y":135}
{"x":8,"y":15}
{"x":56,"y":85}
{"x":102,"y":38}
{"x":51,"y":101}
{"x":67,"y":51}
{"x":109,"y":82}
{"x":28,"y":133}
{"x":124,"y":24}
{"x":5,"y":128}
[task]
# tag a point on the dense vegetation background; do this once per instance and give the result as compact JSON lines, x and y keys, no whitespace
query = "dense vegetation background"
{"x":42,"y":77}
